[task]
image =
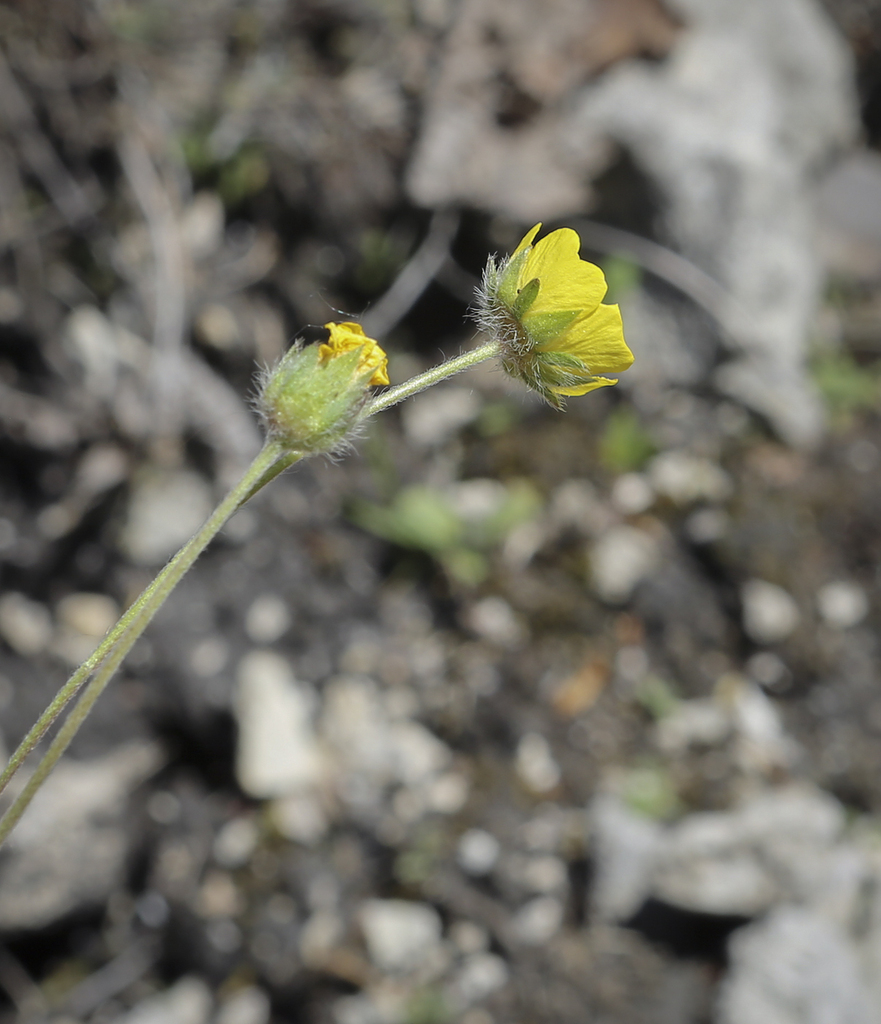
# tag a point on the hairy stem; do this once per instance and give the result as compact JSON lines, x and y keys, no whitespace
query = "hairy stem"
{"x":265,"y":466}
{"x":433,"y":376}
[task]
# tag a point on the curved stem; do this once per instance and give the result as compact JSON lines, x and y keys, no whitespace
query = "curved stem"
{"x":433,"y":376}
{"x":269,"y":463}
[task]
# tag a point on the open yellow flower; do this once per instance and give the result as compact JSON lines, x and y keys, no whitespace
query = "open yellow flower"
{"x":346,"y":337}
{"x":545,"y":305}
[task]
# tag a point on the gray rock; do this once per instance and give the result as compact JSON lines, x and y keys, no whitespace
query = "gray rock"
{"x":620,"y":560}
{"x":769,"y":613}
{"x":478,"y":851}
{"x":24,"y":624}
{"x":400,"y":934}
{"x":166,"y":507}
{"x":842,"y":604}
{"x":69,"y":849}
{"x":277,"y":751}
{"x":731,"y":126}
{"x":793,"y":967}
{"x":188,"y":1001}
{"x":625,"y":847}
{"x":685,"y":478}
{"x":478,"y":977}
{"x":433,"y":417}
{"x":268,"y":619}
{"x":247,"y":1006}
{"x":538,"y":921}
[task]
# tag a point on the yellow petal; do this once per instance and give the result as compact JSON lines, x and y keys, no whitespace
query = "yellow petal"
{"x":597,"y":339}
{"x":526,"y":240}
{"x":567,"y":281}
{"x":582,"y":389}
{"x":346,"y":336}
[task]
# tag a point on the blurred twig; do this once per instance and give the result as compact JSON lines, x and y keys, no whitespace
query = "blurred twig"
{"x":69,"y":197}
{"x":169,"y":289}
{"x":114,"y":977}
{"x":415,"y":277}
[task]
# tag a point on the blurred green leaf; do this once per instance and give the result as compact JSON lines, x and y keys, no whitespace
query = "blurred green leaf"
{"x":427,"y":1007}
{"x":657,"y":696}
{"x":625,"y":445}
{"x":649,"y":790}
{"x":418,"y":517}
{"x":846,"y":386}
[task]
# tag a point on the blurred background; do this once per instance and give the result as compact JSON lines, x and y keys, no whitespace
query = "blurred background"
{"x":512,"y":716}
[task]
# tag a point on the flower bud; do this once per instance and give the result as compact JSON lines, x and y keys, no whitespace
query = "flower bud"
{"x":312,"y":399}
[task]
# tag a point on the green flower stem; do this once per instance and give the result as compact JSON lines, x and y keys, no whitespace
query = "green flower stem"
{"x":268,"y":464}
{"x":433,"y":376}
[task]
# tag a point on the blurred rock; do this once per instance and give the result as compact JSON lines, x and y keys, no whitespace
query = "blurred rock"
{"x":793,"y":967}
{"x":619,"y":561}
{"x":400,"y":935}
{"x":625,"y":846}
{"x":69,"y":850}
{"x":632,"y":493}
{"x":494,"y":619}
{"x":268,"y":619}
{"x":247,"y":1006}
{"x":769,"y":613}
{"x":235,"y":842}
{"x":477,"y":852}
{"x":24,"y":624}
{"x":538,"y":921}
{"x":84,"y":619}
{"x":478,"y":977}
{"x":731,"y":127}
{"x":849,"y":201}
{"x":202,"y":225}
{"x":165,"y":509}
{"x":686,"y":478}
{"x":535,"y":765}
{"x":188,"y":1001}
{"x":434,"y":416}
{"x":277,"y":751}
{"x":842,"y":604}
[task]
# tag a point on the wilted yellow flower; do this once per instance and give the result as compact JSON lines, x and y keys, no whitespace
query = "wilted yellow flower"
{"x":311,"y":402}
{"x":544,"y":304}
{"x":345,"y":337}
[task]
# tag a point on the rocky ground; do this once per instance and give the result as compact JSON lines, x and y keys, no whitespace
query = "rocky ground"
{"x":512,"y":715}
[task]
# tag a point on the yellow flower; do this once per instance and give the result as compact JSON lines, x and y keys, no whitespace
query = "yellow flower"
{"x":545,"y":306}
{"x":346,"y":337}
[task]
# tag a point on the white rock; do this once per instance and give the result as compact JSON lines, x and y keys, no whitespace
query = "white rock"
{"x":188,"y":1001}
{"x":619,"y":561}
{"x":494,"y":619}
{"x":769,"y":613}
{"x":693,"y":722}
{"x":626,"y":846}
{"x":478,"y":851}
{"x":267,"y":619}
{"x":632,"y":493}
{"x":544,"y":874}
{"x":535,"y":764}
{"x":539,"y":920}
{"x":355,"y":725}
{"x":418,"y":754}
{"x":448,"y":793}
{"x":247,"y":1006}
{"x":793,"y":967}
{"x":277,"y":750}
{"x":842,"y":604}
{"x":432,"y":417}
{"x":300,"y":818}
{"x":236,"y":841}
{"x":166,"y":507}
{"x":685,"y":478}
{"x":400,"y":935}
{"x":24,"y":624}
{"x":480,"y":976}
{"x":84,"y":619}
{"x":706,"y":525}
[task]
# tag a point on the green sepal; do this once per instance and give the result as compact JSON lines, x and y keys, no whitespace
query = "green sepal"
{"x":525,"y":298}
{"x":544,"y":327}
{"x":508,"y":282}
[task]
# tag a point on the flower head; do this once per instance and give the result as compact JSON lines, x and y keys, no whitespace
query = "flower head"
{"x":544,"y":304}
{"x":312,"y":400}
